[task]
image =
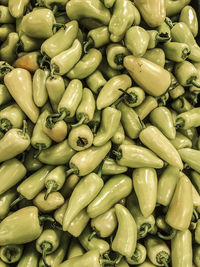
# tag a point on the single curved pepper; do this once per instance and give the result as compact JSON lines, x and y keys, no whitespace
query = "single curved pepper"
{"x":12,"y":227}
{"x":125,"y":238}
{"x":181,"y":104}
{"x":95,"y":81}
{"x":191,"y":157}
{"x":136,"y":40}
{"x":28,"y":61}
{"x":157,"y":251}
{"x":138,"y":256}
{"x":134,"y":96}
{"x":110,"y":167}
{"x":180,"y":210}
{"x":40,"y":95}
{"x":5,"y":29}
{"x":57,"y":154}
{"x":115,"y":54}
{"x":135,"y":156}
{"x":174,"y":7}
{"x":110,"y":91}
{"x":119,"y":135}
{"x":77,"y":9}
{"x":188,"y":119}
{"x":95,"y":122}
{"x":5,"y":16}
{"x":144,"y":225}
{"x":30,"y":257}
{"x":145,"y":186}
{"x":5,"y":96}
{"x":152,"y":78}
{"x":189,"y":17}
{"x":181,"y":247}
{"x":156,"y":55}
{"x":11,"y":253}
{"x":86,"y":66}
{"x":58,"y":132}
{"x":153,"y":12}
{"x":31,"y":163}
{"x":84,"y":192}
{"x":61,"y":40}
{"x":182,"y":34}
{"x":19,"y":84}
{"x":31,"y":23}
{"x":97,"y":37}
{"x":175,"y":51}
{"x":122,"y":19}
{"x":166,"y":185}
{"x":109,"y":123}
{"x":153,"y":138}
{"x":161,"y":118}
{"x":116,"y":188}
{"x":156,"y":37}
{"x":11,"y":117}
{"x":106,"y":70}
{"x":84,"y":162}
{"x":5,"y":200}
{"x":17,"y":9}
{"x":48,"y":242}
{"x":75,"y":249}
{"x":63,"y":62}
{"x":80,"y":137}
{"x":28,"y":44}
{"x":8,"y":48}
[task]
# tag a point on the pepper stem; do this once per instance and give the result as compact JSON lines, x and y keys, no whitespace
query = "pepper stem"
{"x":169,"y":22}
{"x":179,"y":123}
{"x":45,"y":59}
{"x":58,"y":26}
{"x":80,"y":122}
{"x":55,"y":9}
{"x":72,"y":170}
{"x":5,"y":68}
{"x":117,"y":261}
{"x":8,"y":255}
{"x":88,"y":44}
{"x":162,"y":37}
{"x":118,"y":154}
{"x":119,"y":59}
{"x":195,"y":83}
{"x":194,"y":96}
{"x":195,"y":215}
{"x":162,"y":258}
{"x":40,"y":147}
{"x":94,"y":233}
{"x":131,"y":98}
{"x":168,"y":237}
{"x":5,"y":125}
{"x":136,"y":256}
{"x":107,"y":262}
{"x":19,"y":47}
{"x":53,"y":118}
{"x":185,"y":53}
{"x":24,"y":129}
{"x":45,"y":246}
{"x":144,"y":229}
{"x":50,"y":188}
{"x":16,"y":201}
{"x":45,"y":218}
{"x":117,"y":102}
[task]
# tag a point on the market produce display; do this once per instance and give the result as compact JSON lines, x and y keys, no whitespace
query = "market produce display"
{"x":99,"y":133}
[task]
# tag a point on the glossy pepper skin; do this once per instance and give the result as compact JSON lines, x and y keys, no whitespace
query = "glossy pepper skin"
{"x":5,"y":96}
{"x":40,"y":95}
{"x":75,"y":249}
{"x":11,"y":253}
{"x":19,"y":84}
{"x":115,"y":53}
{"x":30,"y":257}
{"x":110,"y":167}
{"x":12,"y":227}
{"x":174,"y":7}
{"x":17,"y":10}
{"x":138,"y":256}
{"x":95,"y":81}
{"x":145,"y":108}
{"x":28,"y":61}
{"x":7,"y":50}
{"x":5,"y":15}
{"x":191,"y":157}
{"x":82,"y":197}
{"x":156,"y":55}
{"x":153,"y":79}
{"x":80,"y":137}
{"x":117,"y":187}
{"x":5,"y":200}
{"x":188,"y":119}
{"x":188,"y":16}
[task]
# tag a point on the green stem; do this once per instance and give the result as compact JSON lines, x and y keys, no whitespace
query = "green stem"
{"x":195,"y":83}
{"x":119,"y":59}
{"x":117,"y":154}
{"x":185,"y":53}
{"x":168,"y":237}
{"x":106,"y":262}
{"x":71,"y":171}
{"x":39,"y":147}
{"x":45,"y":59}
{"x":45,"y":218}
{"x":50,"y":188}
{"x":162,"y":37}
{"x":46,"y":246}
{"x":144,"y":229}
{"x":114,"y":105}
{"x":169,"y":22}
{"x":80,"y":122}
{"x":16,"y":201}
{"x":196,"y":215}
{"x":5,"y":68}
{"x":89,"y":44}
{"x":130,"y":97}
{"x":162,"y":258}
{"x":172,"y":86}
{"x":55,"y":9}
{"x":94,"y":233}
{"x":8,"y":254}
{"x":5,"y":125}
{"x":24,"y":129}
{"x":179,"y":123}
{"x":136,"y":256}
{"x":59,"y":26}
{"x":53,"y":118}
{"x":117,"y":261}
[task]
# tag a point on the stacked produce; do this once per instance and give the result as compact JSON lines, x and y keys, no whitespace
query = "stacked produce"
{"x":99,"y":142}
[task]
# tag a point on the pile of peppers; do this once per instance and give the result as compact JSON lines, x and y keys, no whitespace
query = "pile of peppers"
{"x":99,"y":133}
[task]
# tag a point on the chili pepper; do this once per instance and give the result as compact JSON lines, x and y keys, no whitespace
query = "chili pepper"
{"x":122,"y":18}
{"x":138,"y":256}
{"x":17,"y":9}
{"x":75,"y":249}
{"x":31,"y":23}
{"x":156,"y":37}
{"x":7,"y":50}
{"x":188,"y":119}
{"x":48,"y":242}
{"x":162,"y":225}
{"x":59,"y":212}
{"x":196,"y":255}
{"x":196,"y":233}
{"x":5,"y":200}
{"x":153,"y":138}
{"x":157,"y":251}
{"x":30,"y":257}
{"x":5,"y":96}
{"x":19,"y":84}
{"x":116,"y":188}
{"x":182,"y":34}
{"x":191,"y":134}
{"x":166,"y":185}
{"x":95,"y":243}
{"x":135,"y":156}
{"x":119,"y":135}
{"x":84,"y":162}
{"x":106,"y":70}
{"x":56,"y":257}
{"x":40,"y":95}
{"x":87,"y":65}
{"x":28,"y":44}
{"x":95,"y":81}
{"x":12,"y":227}
{"x":155,"y":55}
{"x":174,"y":7}
{"x":161,"y":118}
{"x":82,"y":197}
{"x":110,"y":167}
{"x":11,"y":253}
{"x":189,"y":17}
{"x":28,"y":61}
{"x":104,"y":224}
{"x":110,"y":91}
{"x":175,"y":51}
{"x":66,"y":60}
{"x":86,"y":108}
{"x":181,"y":247}
{"x":31,"y":163}
{"x":115,"y":54}
{"x":126,"y":236}
{"x":58,"y":132}
{"x":77,"y":9}
{"x":153,"y":12}
{"x":164,"y":30}
{"x":5,"y":29}
{"x":191,"y":157}
{"x":134,"y":96}
{"x":145,"y":186}
{"x":11,"y":117}
{"x":5,"y":16}
{"x":153,"y":79}
{"x":144,"y":225}
{"x":57,"y":154}
{"x":181,"y":105}
{"x":69,"y":185}
{"x":195,"y":197}
{"x":195,"y":178}
{"x":97,"y":37}
{"x":90,"y":258}
{"x":177,"y":91}
{"x":181,"y":220}
{"x":95,"y":122}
